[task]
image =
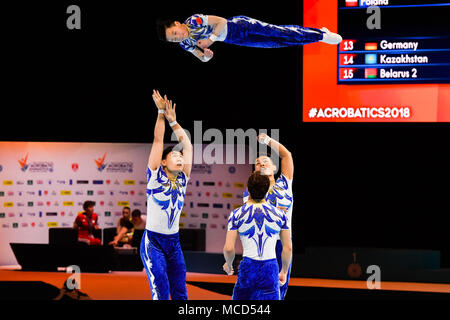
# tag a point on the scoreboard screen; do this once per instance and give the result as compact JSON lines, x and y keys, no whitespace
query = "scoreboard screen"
{"x":412,"y":45}
{"x":393,"y":64}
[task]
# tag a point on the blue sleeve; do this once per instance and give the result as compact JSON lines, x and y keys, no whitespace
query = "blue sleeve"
{"x":188,"y":44}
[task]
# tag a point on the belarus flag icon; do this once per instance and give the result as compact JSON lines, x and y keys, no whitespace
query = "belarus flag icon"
{"x":351,"y":3}
{"x":371,"y":73}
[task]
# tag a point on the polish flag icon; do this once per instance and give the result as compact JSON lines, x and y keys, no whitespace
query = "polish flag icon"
{"x":351,"y":3}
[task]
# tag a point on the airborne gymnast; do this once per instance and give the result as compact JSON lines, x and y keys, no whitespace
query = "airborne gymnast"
{"x":200,"y":31}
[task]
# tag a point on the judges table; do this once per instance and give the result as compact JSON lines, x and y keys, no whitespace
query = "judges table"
{"x":64,"y":250}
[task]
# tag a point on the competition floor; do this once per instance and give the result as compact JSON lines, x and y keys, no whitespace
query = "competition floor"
{"x":134,"y":286}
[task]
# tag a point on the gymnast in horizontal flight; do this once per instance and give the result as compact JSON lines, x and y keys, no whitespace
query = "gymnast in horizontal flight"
{"x":200,"y":31}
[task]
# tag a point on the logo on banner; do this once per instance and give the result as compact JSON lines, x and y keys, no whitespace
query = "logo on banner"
{"x":37,"y":166}
{"x":113,"y":167}
{"x":23,"y":163}
{"x":75,"y":167}
{"x":100,"y":162}
{"x":202,"y":168}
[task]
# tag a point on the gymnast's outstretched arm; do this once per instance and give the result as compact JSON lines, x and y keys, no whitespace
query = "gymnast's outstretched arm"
{"x":287,"y":163}
{"x":154,"y":159}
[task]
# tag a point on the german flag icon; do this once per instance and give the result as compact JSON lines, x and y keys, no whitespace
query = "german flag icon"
{"x":371,"y":46}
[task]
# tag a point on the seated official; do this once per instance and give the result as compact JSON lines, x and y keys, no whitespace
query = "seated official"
{"x":139,"y":221}
{"x":86,"y":222}
{"x":124,"y":229}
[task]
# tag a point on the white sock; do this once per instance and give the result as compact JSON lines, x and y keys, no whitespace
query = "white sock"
{"x":330,"y":37}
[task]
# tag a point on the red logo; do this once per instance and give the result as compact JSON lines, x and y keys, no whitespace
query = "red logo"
{"x":100,"y":162}
{"x":23,"y":163}
{"x":75,"y":167}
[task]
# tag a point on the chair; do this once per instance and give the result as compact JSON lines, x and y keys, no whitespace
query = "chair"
{"x":108,"y":235}
{"x":137,"y":236}
{"x":62,"y":236}
{"x":97,"y":233}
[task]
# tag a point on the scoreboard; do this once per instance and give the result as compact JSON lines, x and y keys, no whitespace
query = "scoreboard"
{"x":393,"y":64}
{"x":411,"y":44}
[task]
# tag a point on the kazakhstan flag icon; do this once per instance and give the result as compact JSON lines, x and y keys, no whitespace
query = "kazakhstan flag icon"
{"x":371,"y":58}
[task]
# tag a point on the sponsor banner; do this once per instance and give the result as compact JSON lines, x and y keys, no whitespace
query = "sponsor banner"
{"x":55,"y":179}
{"x":44,"y":185}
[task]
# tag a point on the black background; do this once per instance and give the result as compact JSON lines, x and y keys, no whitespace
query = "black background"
{"x":366,"y":185}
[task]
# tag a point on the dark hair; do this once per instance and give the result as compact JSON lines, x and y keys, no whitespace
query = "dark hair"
{"x":136,"y":213}
{"x":88,"y":204}
{"x":258,"y":185}
{"x":126,"y":207}
{"x":161,"y":26}
{"x":168,"y":150}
